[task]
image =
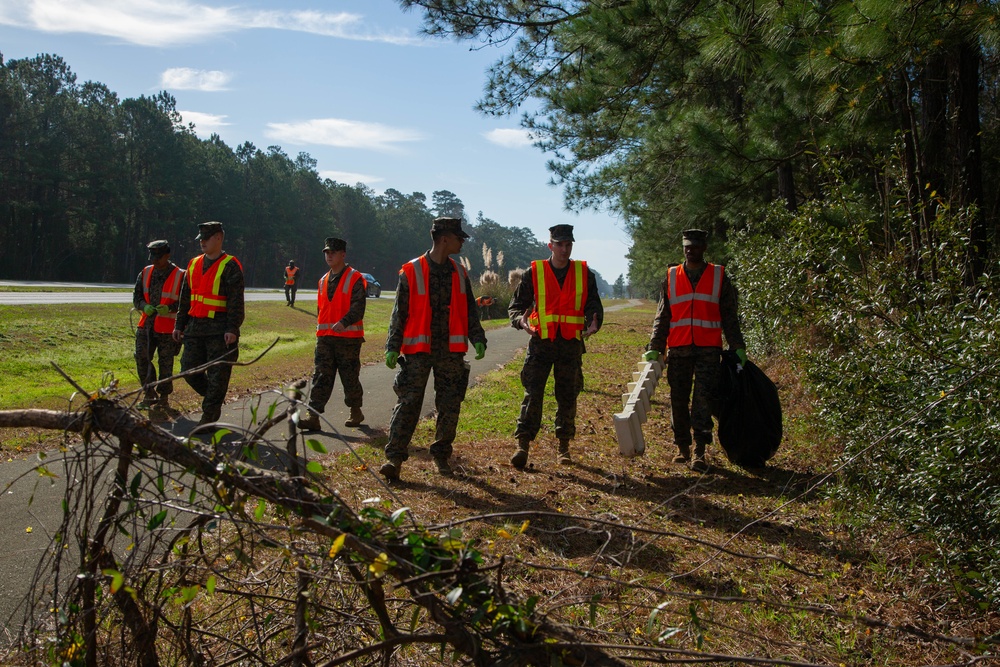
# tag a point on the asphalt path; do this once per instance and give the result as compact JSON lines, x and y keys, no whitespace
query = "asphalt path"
{"x":55,"y":293}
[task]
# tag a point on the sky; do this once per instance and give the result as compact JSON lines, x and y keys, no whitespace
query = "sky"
{"x":353,"y":83}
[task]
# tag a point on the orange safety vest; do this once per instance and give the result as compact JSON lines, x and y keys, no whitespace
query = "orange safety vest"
{"x":417,"y":332}
{"x":169,"y":295}
{"x":206,"y":299}
{"x":333,"y":310}
{"x":695,"y":318}
{"x":290,"y":274}
{"x":559,"y":310}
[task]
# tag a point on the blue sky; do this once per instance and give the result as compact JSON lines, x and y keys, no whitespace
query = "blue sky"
{"x":351,"y":82}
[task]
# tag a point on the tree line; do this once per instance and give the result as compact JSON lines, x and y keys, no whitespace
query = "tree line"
{"x":87,"y":179}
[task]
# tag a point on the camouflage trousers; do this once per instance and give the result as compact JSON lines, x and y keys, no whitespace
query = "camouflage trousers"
{"x":564,"y":359}
{"x":336,"y":354}
{"x":700,"y":367}
{"x":212,"y":383}
{"x":451,"y":379}
{"x":148,"y":343}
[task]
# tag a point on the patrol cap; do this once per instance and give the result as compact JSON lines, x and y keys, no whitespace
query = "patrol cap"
{"x":208,"y":229}
{"x":561,"y":233}
{"x":157,"y":248}
{"x":694,"y":237}
{"x":333,"y":244}
{"x":449,"y":224}
{"x":291,"y":262}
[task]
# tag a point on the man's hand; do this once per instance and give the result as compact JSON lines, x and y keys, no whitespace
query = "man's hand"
{"x":742,"y":354}
{"x":177,"y":335}
{"x":162,"y":309}
{"x":651,"y":355}
{"x":480,"y":350}
{"x":526,"y":324}
{"x":390,"y":358}
{"x":338,"y":327}
{"x":149,"y":309}
{"x":230,"y":338}
{"x":592,"y":329}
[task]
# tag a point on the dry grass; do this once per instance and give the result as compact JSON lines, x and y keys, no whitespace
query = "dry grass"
{"x":793,"y":580}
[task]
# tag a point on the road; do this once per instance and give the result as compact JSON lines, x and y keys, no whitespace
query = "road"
{"x":54,"y":293}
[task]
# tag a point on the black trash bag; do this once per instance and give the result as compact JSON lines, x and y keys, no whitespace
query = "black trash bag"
{"x":749,"y":413}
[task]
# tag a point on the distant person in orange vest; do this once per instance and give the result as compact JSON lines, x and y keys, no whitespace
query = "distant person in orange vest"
{"x":557,"y":302}
{"x":340,"y":332}
{"x":433,"y":320}
{"x":291,"y":282}
{"x":156,"y":295}
{"x":209,"y":318}
{"x":697,"y":305}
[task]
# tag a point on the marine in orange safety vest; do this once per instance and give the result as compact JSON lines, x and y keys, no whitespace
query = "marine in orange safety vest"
{"x":697,"y":305}
{"x":155,"y":296}
{"x":558,"y":304}
{"x":433,"y":321}
{"x":209,"y":318}
{"x":340,"y":332}
{"x":291,"y":282}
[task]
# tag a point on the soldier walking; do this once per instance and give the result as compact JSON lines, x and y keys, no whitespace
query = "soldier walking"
{"x":156,"y":294}
{"x":340,"y":332}
{"x":291,"y":282}
{"x":209,"y":318}
{"x":697,"y":305}
{"x":557,"y":303}
{"x":433,"y":320}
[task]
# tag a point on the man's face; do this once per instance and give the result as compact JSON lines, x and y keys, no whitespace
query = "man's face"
{"x":161,"y":260}
{"x":334,"y":258}
{"x":453,"y":243}
{"x":561,"y":250}
{"x":694,"y":253}
{"x":213,"y":244}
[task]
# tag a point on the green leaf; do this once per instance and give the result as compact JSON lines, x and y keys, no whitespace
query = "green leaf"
{"x":188,"y":593}
{"x":157,"y":520}
{"x":210,"y":585}
{"x":133,"y":488}
{"x":116,"y":579}
{"x":314,"y":467}
{"x":316,"y":446}
{"x":258,"y":512}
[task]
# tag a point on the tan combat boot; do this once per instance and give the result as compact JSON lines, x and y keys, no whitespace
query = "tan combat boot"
{"x":564,"y":457}
{"x":390,"y":469}
{"x":309,"y":421}
{"x":444,"y":468}
{"x":683,"y":454}
{"x":520,"y":457}
{"x":357,"y":417}
{"x":698,"y":463}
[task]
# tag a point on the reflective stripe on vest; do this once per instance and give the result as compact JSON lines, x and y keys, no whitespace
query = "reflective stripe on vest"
{"x":559,"y":310}
{"x":695,"y":318}
{"x":206,"y":301}
{"x":417,"y":331}
{"x":330,"y":311}
{"x":169,"y":294}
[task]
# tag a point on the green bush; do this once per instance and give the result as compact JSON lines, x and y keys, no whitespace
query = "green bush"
{"x":904,"y":359}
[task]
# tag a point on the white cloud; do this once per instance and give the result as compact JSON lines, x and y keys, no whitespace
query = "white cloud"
{"x":509,"y":138}
{"x":204,"y":123}
{"x":342,"y":134}
{"x":172,"y":22}
{"x":185,"y":78}
{"x":350,"y":177}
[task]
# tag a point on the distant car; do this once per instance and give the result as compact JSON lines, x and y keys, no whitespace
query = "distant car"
{"x":374,"y":288}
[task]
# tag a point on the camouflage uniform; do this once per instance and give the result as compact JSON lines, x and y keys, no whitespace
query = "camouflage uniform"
{"x":337,"y":354}
{"x":451,"y":372}
{"x":291,"y":288}
{"x":149,"y":342}
{"x":561,"y":356}
{"x":691,"y":364}
{"x":204,"y":340}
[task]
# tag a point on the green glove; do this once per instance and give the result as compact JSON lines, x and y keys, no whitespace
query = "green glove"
{"x":149,"y":309}
{"x":480,"y":350}
{"x":742,"y":354}
{"x":162,"y":310}
{"x":651,"y":355}
{"x":390,"y":359}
